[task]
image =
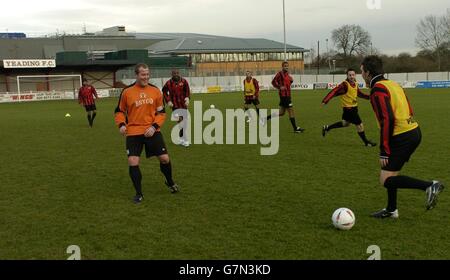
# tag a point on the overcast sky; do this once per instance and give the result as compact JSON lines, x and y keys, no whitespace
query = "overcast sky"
{"x":392,"y":27}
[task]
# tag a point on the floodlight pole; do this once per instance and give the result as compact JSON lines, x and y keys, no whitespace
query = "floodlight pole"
{"x":284,"y":30}
{"x":318,"y":57}
{"x":18,"y":88}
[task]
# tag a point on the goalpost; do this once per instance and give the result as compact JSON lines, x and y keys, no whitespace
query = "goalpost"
{"x":45,"y":87}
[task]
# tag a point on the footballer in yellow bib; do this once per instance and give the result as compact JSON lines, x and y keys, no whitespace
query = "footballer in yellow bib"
{"x":251,"y":93}
{"x":349,"y":91}
{"x":400,"y":136}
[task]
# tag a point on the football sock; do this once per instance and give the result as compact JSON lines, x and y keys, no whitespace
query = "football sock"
{"x":405,"y":182}
{"x":335,"y":125}
{"x":257,"y":111}
{"x":392,"y":199}
{"x":363,"y":137}
{"x":166,"y":169}
{"x":294,"y":125}
{"x":89,"y":119}
{"x":136,"y":178}
{"x":392,"y":184}
{"x":93,"y":117}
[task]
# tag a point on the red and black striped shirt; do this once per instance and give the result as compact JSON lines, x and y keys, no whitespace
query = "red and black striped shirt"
{"x":86,"y":95}
{"x":393,"y":111}
{"x":176,"y":92}
{"x":283,"y":79}
{"x":379,"y":98}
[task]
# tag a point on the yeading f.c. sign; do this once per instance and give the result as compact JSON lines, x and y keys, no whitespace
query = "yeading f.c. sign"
{"x":29,"y":63}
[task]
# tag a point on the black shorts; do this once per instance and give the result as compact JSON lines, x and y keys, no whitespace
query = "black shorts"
{"x":154,"y":146}
{"x":90,"y":107}
{"x":249,"y":101}
{"x":351,"y":115}
{"x":286,"y":102}
{"x":402,"y":147}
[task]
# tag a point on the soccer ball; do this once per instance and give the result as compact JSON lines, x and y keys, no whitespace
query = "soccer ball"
{"x":343,"y":219}
{"x":212,"y":106}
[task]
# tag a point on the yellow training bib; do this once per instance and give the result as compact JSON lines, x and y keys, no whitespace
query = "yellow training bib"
{"x":249,"y":88}
{"x":404,"y":121}
{"x":349,"y":99}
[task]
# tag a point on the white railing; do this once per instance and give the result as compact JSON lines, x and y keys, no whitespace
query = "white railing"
{"x":235,"y":83}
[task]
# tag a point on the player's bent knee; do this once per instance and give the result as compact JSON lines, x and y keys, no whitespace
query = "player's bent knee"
{"x":133,"y":161}
{"x":164,"y":159}
{"x":384,"y":175}
{"x":360,"y":128}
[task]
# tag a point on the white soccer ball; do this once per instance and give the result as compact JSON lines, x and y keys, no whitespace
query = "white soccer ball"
{"x":212,"y":106}
{"x":343,"y":219}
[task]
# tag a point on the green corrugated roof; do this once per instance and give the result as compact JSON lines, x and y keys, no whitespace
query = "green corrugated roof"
{"x":219,"y":44}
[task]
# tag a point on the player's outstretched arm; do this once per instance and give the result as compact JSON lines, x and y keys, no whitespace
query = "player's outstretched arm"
{"x":363,"y":95}
{"x":339,"y":90}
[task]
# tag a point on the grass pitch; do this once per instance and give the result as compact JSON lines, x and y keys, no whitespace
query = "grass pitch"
{"x":63,"y":183}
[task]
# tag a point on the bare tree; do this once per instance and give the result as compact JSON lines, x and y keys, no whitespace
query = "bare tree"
{"x":446,"y":22}
{"x":351,"y":40}
{"x":433,"y":36}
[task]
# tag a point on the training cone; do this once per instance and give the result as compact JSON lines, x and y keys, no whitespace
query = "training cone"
{"x":68,"y":115}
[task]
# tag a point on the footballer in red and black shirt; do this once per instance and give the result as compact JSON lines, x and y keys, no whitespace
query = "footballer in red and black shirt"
{"x":177,"y":94}
{"x":86,"y":96}
{"x":400,"y":136}
{"x":283,"y":81}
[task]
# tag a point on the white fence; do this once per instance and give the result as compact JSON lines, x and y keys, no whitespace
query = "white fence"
{"x":49,"y":95}
{"x":235,"y":83}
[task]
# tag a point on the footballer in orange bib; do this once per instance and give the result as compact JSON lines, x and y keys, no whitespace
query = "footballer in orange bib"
{"x":139,"y":116}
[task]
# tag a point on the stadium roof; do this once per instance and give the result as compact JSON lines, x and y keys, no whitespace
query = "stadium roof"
{"x":155,"y":43}
{"x":197,"y":43}
{"x":171,"y":36}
